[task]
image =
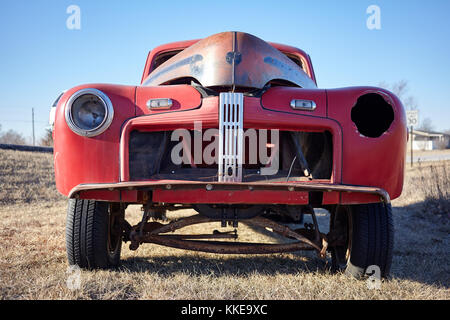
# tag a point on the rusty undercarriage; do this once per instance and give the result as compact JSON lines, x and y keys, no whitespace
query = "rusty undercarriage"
{"x":146,"y":231}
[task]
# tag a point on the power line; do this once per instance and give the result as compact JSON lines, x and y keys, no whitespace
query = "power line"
{"x":26,"y":121}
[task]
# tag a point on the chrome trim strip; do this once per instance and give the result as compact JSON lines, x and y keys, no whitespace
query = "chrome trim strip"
{"x":231,"y":132}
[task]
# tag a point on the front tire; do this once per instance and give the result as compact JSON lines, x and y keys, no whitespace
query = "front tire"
{"x":93,"y":233}
{"x":369,"y":238}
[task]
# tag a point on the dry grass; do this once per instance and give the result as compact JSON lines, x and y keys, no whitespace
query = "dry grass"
{"x":33,"y":259}
{"x":26,"y":177}
{"x":437,"y":189}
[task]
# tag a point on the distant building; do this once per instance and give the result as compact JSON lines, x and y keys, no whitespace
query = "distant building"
{"x":423,"y":140}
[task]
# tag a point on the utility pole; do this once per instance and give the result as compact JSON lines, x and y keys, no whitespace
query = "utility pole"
{"x":412,"y":138}
{"x":32,"y":123}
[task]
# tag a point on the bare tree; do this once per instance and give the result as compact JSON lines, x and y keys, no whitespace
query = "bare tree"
{"x":12,"y":137}
{"x":400,"y":89}
{"x":47,"y":140}
{"x":426,"y":125}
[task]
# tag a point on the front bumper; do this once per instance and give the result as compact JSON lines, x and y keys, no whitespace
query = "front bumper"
{"x":176,"y":191}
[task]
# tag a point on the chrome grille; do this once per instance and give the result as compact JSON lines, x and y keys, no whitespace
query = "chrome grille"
{"x":231,"y":131}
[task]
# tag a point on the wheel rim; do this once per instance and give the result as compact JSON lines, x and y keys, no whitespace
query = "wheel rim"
{"x":114,"y":231}
{"x":342,"y":218}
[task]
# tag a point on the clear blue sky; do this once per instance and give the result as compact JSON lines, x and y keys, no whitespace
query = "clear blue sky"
{"x":40,"y":56}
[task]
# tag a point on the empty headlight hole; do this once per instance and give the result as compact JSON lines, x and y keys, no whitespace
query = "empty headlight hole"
{"x":372,"y":115}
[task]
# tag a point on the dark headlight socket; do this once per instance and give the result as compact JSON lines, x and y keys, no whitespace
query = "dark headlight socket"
{"x":372,"y":115}
{"x":106,"y":122}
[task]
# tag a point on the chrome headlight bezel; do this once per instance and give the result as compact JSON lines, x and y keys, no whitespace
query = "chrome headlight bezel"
{"x":107,"y":104}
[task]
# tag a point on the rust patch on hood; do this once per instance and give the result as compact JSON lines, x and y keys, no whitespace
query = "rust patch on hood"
{"x":234,"y":59}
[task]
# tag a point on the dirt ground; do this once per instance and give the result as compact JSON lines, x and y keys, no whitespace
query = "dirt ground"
{"x":33,"y":263}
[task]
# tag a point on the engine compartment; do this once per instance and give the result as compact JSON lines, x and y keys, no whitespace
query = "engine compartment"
{"x":150,"y":156}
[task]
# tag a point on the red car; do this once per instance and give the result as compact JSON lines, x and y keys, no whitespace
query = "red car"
{"x":235,"y":128}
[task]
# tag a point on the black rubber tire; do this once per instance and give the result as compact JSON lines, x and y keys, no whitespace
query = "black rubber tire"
{"x":372,"y":239}
{"x":87,"y":240}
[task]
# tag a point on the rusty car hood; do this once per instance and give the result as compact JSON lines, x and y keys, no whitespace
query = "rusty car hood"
{"x":234,"y":59}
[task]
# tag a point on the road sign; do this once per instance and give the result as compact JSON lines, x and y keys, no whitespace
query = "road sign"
{"x":412,"y":118}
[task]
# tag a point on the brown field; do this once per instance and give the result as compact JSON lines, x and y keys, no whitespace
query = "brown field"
{"x":33,"y":261}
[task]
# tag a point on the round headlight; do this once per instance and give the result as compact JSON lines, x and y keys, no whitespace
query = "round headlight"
{"x":89,"y":112}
